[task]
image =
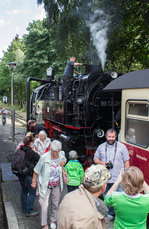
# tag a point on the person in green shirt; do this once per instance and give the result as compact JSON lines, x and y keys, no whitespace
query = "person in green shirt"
{"x":130,"y":206}
{"x":75,"y":171}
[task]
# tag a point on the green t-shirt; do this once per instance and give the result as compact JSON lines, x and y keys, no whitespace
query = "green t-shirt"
{"x":75,"y":172}
{"x":130,"y":211}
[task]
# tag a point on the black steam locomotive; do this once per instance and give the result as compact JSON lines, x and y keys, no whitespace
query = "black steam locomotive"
{"x":80,"y":121}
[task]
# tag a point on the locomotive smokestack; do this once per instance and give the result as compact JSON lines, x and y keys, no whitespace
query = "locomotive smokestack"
{"x":92,"y":68}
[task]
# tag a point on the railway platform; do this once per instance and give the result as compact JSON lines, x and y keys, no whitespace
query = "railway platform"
{"x":10,"y":186}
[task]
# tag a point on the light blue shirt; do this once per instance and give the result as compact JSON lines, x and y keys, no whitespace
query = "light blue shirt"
{"x":121,"y":156}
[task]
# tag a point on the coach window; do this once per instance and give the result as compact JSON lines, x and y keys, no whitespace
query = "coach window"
{"x":137,"y":123}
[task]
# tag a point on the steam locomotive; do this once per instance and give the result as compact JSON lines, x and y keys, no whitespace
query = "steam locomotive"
{"x":81,"y":120}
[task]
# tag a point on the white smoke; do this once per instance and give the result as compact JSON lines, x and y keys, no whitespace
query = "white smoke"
{"x":98,"y":25}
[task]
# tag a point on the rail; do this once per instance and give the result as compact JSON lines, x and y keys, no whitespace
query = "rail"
{"x":18,"y":118}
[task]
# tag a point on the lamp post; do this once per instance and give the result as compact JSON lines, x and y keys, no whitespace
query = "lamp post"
{"x":12,"y":66}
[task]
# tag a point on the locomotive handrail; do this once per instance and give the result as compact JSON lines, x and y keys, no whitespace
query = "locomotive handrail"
{"x":29,"y":79}
{"x":32,"y":111}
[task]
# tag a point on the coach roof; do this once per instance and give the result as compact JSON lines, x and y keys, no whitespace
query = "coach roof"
{"x":131,"y":80}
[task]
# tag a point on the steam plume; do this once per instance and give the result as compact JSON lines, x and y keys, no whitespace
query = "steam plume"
{"x":98,"y":25}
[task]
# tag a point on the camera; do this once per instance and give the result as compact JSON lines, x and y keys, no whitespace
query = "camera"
{"x":109,"y":165}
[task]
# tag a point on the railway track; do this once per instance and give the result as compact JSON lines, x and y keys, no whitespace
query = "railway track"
{"x":19,"y":119}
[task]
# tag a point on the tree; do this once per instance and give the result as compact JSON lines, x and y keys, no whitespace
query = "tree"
{"x":128,"y":42}
{"x":127,"y":30}
{"x":67,"y":23}
{"x":14,"y":53}
{"x":40,"y":52}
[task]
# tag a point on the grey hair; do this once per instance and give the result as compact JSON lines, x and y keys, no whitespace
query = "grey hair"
{"x":90,"y":187}
{"x":56,"y":145}
{"x":73,"y":154}
{"x":42,"y":132}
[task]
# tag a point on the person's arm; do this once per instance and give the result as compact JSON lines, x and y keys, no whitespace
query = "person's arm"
{"x":62,"y":158}
{"x":62,"y":163}
{"x":126,"y":164}
{"x":75,"y":71}
{"x":97,"y":161}
{"x":145,"y":187}
{"x":35,"y":146}
{"x":34,"y":180}
{"x":125,"y":155}
{"x":66,"y":166}
{"x":78,"y":64}
{"x":97,"y":157}
{"x":35,"y":156}
{"x":115,"y":185}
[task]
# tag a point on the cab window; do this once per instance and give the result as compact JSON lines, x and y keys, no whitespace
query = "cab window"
{"x":137,"y":123}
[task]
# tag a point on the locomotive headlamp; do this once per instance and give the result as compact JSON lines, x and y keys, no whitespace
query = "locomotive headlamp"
{"x":99,"y":133}
{"x":112,"y":74}
{"x":50,"y":75}
{"x":64,"y":137}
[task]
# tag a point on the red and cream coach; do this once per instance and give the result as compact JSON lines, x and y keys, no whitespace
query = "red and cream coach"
{"x":134,"y":116}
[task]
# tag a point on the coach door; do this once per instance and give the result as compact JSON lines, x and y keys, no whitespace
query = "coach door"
{"x":135,"y":127}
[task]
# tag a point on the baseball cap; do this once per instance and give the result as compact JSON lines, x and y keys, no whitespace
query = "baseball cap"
{"x":97,"y":175}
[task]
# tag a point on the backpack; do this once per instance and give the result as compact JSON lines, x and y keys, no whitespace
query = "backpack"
{"x":18,"y":165}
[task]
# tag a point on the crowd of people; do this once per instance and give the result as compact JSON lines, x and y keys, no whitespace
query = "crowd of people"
{"x":111,"y":176}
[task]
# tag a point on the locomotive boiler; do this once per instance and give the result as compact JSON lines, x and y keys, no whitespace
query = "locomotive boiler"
{"x":81,"y":120}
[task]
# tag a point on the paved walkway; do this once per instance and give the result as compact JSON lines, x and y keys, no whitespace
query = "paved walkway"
{"x":11,"y":187}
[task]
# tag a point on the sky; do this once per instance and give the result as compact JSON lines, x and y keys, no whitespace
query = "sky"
{"x":15,"y":15}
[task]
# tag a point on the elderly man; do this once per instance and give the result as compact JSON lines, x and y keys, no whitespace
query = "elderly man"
{"x":78,"y":209}
{"x":113,"y":155}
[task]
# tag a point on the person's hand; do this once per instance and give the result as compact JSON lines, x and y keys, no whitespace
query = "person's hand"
{"x":104,"y":164}
{"x":33,"y":184}
{"x":62,"y":163}
{"x":33,"y":148}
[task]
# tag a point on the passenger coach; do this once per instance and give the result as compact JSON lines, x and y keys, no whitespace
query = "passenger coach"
{"x":134,"y":116}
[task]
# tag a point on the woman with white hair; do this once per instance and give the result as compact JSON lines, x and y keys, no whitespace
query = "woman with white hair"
{"x":42,"y":143}
{"x":50,"y":182}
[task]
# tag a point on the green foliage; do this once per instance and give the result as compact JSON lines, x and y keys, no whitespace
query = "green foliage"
{"x":15,"y":53}
{"x":67,"y":21}
{"x":65,"y":32}
{"x":128,"y":45}
{"x":40,"y":51}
